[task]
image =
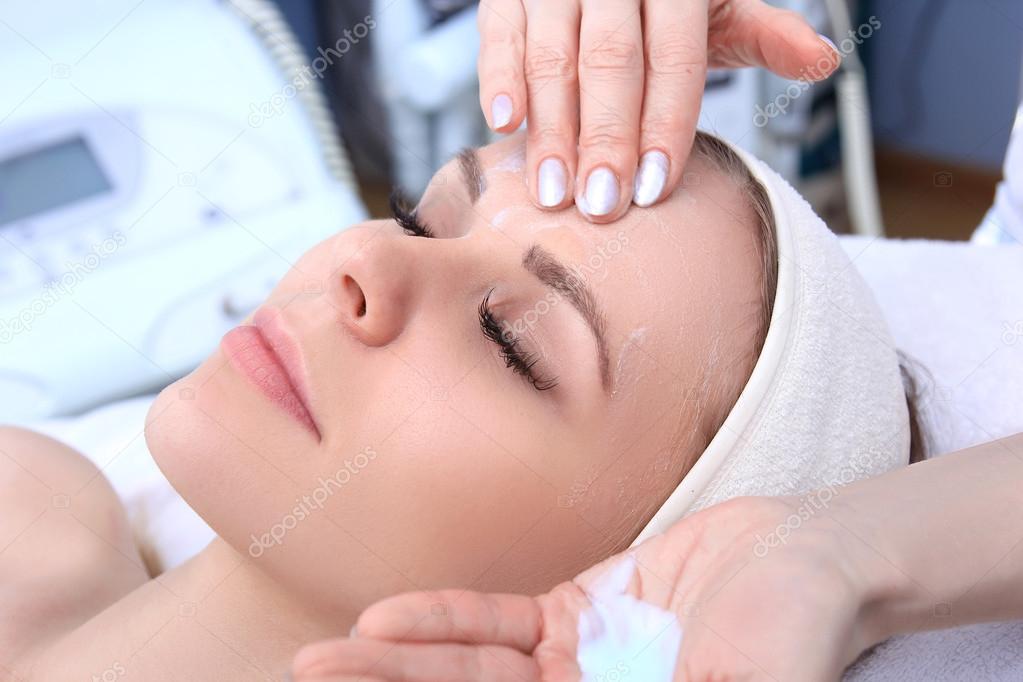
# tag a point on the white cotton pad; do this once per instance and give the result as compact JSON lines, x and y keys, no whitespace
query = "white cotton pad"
{"x":622,"y":638}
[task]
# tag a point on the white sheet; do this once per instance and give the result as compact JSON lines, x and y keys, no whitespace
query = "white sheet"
{"x":958,"y":310}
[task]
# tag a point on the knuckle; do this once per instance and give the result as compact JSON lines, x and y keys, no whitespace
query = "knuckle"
{"x":548,"y":136}
{"x":501,"y":40}
{"x":612,"y":52}
{"x":662,"y":125}
{"x":549,"y":62}
{"x":605,"y":133}
{"x":497,"y":71}
{"x":489,"y":15}
{"x":674,"y":53}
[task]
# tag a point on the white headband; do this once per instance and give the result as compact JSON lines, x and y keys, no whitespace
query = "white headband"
{"x":825,"y":404}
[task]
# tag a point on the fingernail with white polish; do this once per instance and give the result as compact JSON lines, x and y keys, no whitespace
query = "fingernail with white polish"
{"x":601,"y":191}
{"x":551,"y":181}
{"x":650,"y":178}
{"x":830,"y":43}
{"x":500,"y":111}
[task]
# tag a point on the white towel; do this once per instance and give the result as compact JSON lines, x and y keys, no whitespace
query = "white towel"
{"x":825,"y":404}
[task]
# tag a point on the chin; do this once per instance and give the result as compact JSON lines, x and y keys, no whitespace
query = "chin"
{"x":224,"y":449}
{"x":184,"y":439}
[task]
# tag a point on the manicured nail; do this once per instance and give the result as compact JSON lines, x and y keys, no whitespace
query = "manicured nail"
{"x":650,"y":178}
{"x":601,"y":192}
{"x":354,"y":632}
{"x":500,"y":111}
{"x":827,"y":41}
{"x":551,"y":180}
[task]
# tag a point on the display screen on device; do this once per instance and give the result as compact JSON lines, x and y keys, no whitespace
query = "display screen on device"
{"x":44,"y":179}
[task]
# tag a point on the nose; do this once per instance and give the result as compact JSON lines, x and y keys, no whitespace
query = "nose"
{"x":373,"y":286}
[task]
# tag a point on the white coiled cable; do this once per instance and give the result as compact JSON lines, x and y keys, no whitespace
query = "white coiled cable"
{"x":267,"y":22}
{"x":854,"y":129}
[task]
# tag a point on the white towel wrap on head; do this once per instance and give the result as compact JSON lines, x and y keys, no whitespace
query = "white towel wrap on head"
{"x":825,"y":404}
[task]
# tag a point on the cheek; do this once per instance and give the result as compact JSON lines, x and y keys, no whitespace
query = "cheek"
{"x":440,"y":501}
{"x":443,"y":500}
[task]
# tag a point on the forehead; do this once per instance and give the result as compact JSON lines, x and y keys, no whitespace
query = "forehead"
{"x":670,"y":278}
{"x":666,"y":259}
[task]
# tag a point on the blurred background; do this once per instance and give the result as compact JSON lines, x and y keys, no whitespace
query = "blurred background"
{"x":164,"y":162}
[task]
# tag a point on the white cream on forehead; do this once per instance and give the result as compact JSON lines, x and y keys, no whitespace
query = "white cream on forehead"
{"x":512,"y":162}
{"x":623,"y":638}
{"x":499,"y":217}
{"x":629,"y":347}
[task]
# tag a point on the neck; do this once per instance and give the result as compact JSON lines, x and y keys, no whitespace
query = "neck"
{"x":257,"y":619}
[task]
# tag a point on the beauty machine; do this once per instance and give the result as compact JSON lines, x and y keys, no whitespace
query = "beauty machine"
{"x":162,"y":165}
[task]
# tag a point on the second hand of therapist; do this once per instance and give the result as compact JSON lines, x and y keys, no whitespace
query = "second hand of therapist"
{"x":611,"y":89}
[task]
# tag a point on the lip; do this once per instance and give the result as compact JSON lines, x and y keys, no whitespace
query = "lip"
{"x":268,"y":356}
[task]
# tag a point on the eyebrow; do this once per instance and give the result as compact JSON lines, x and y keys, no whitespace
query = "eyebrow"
{"x":549,"y":270}
{"x":472,"y":173}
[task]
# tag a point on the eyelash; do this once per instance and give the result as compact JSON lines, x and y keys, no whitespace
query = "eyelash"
{"x":521,"y":362}
{"x":406,"y":217}
{"x":515,"y":358}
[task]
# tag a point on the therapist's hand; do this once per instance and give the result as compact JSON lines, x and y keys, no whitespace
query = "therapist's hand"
{"x":623,"y":79}
{"x":750,"y":607}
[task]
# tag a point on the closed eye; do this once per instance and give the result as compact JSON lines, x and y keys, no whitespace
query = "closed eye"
{"x":515,"y":358}
{"x":405,"y":215}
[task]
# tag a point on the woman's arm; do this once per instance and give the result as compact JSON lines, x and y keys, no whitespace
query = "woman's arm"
{"x":944,"y":538}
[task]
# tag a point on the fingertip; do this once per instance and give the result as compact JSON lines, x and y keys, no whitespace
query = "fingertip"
{"x":604,"y":196}
{"x":830,"y":44}
{"x":502,"y":109}
{"x":377,"y":621}
{"x":397,"y":616}
{"x":552,"y":188}
{"x":600,"y":194}
{"x":832,"y":57}
{"x":792,"y":48}
{"x":311,"y":657}
{"x":651,"y":178}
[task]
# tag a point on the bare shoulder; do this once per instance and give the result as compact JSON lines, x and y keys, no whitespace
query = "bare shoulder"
{"x":66,"y":547}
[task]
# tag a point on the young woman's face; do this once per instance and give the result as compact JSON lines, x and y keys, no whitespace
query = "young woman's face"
{"x":371,"y":438}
